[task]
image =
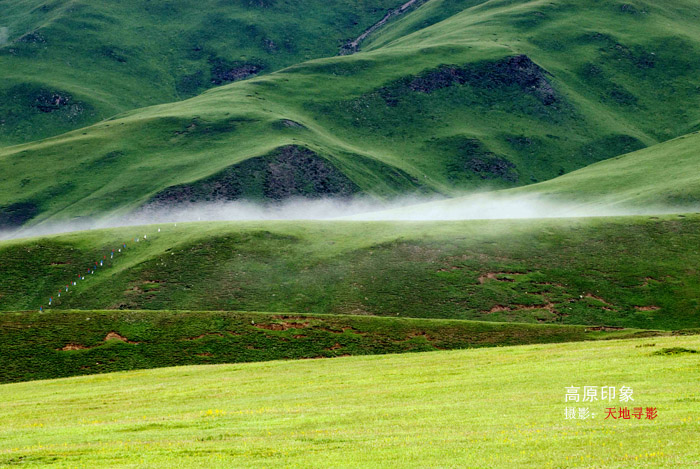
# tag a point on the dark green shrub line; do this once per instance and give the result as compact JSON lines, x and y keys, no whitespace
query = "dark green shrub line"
{"x":58,"y":344}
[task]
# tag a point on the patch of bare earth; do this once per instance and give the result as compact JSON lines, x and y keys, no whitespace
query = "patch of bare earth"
{"x":549,"y":307}
{"x":114,"y":336}
{"x":110,"y":336}
{"x":604,"y":328}
{"x":343,"y":330}
{"x":74,"y":347}
{"x":282,"y":326}
{"x":201,"y":336}
{"x":498,"y":276}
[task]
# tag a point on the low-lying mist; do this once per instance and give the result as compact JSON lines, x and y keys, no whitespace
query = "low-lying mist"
{"x":473,"y":207}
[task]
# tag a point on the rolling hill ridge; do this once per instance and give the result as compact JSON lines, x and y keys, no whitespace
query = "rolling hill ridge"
{"x":611,"y":271}
{"x":493,"y":94}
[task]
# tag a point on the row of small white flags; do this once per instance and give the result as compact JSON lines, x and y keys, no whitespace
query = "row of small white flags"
{"x":91,"y":270}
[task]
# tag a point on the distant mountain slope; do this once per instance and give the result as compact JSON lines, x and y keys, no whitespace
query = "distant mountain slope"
{"x":500,"y":94}
{"x":664,"y":177}
{"x":67,"y":64}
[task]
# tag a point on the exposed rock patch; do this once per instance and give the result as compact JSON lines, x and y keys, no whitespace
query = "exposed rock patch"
{"x":289,"y":171}
{"x":50,"y":101}
{"x":223,"y":71}
{"x":34,"y":37}
{"x":519,"y":70}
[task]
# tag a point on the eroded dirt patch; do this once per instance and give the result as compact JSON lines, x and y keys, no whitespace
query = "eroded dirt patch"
{"x":115,"y":336}
{"x":73,"y":347}
{"x":206,"y":334}
{"x":282,"y":326}
{"x":498,"y":276}
{"x":110,"y":336}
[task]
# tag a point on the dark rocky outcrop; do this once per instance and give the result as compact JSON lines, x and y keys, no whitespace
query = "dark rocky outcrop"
{"x":223,"y":71}
{"x":50,"y":101}
{"x":518,"y":70}
{"x":291,"y":171}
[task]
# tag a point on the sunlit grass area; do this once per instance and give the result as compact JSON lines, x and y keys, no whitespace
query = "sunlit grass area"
{"x":475,"y":408}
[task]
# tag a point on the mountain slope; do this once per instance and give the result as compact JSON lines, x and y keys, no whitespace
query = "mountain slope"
{"x":665,"y":175}
{"x":498,"y":95}
{"x":613,"y":271}
{"x":662,"y":178}
{"x":68,"y":64}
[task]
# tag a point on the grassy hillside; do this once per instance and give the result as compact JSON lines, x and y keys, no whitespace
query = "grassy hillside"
{"x":59,"y":343}
{"x":664,"y":175}
{"x":68,"y":64}
{"x":474,"y":408}
{"x":496,"y":94}
{"x":659,"y":178}
{"x":627,"y":271}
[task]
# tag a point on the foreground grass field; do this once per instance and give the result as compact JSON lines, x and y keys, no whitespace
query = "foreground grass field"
{"x":501,"y":407}
{"x":67,"y":343}
{"x":638,"y":272}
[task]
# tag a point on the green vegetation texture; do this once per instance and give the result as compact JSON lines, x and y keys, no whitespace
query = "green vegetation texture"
{"x":449,"y":97}
{"x":104,"y":58}
{"x":497,"y":407}
{"x":661,"y":177}
{"x":67,"y":343}
{"x":639,"y":272}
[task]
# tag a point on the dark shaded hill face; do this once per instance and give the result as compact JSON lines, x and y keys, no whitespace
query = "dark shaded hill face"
{"x":64,"y":65}
{"x":495,"y":95}
{"x":290,"y":171}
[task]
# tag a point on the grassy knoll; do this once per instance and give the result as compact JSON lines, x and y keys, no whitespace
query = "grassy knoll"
{"x":472,"y":408}
{"x":638,"y":272}
{"x":68,"y":343}
{"x":497,"y":94}
{"x":661,"y":177}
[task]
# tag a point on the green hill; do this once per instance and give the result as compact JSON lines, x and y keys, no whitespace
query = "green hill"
{"x":664,"y":175}
{"x":498,"y":407}
{"x":657,"y":179}
{"x":444,"y":99}
{"x":65,"y":65}
{"x":617,"y":271}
